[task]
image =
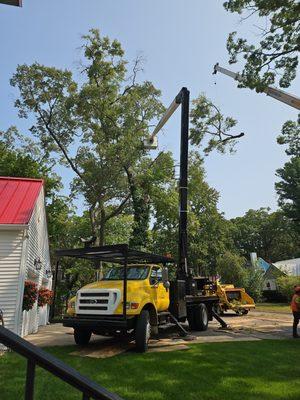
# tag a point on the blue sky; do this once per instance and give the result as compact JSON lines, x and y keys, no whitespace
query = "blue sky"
{"x":180,"y":42}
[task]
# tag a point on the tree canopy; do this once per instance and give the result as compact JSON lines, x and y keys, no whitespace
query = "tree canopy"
{"x":271,"y":234}
{"x":96,"y":127}
{"x":275,"y":57}
{"x":288,"y":189}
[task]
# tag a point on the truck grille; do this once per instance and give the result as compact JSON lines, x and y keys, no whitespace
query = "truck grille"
{"x":96,"y":302}
{"x":100,"y":294}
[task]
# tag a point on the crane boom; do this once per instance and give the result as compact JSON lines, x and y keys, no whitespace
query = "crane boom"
{"x":277,"y":94}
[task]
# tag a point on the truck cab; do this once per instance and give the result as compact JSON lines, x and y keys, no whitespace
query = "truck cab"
{"x":144,"y":288}
{"x":131,"y":298}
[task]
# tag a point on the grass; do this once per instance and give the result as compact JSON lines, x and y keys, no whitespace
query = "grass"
{"x":275,"y":307}
{"x":265,"y":370}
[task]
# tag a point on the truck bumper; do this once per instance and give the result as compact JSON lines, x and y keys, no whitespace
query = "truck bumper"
{"x":108,"y":322}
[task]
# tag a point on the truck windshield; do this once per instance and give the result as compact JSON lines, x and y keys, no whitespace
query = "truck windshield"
{"x":133,"y":273}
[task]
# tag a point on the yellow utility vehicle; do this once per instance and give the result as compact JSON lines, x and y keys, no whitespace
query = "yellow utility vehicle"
{"x":135,"y":297}
{"x":232,"y":298}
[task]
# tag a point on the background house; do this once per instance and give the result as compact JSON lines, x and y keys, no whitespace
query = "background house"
{"x":289,"y":267}
{"x":280,"y":268}
{"x":273,"y":271}
{"x":24,"y":251}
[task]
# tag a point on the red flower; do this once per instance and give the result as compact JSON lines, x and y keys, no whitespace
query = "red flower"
{"x":45,"y":296}
{"x":30,"y":295}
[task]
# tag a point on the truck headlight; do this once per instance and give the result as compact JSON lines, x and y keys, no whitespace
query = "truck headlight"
{"x":131,"y":305}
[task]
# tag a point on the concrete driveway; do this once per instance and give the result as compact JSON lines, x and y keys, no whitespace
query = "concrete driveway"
{"x":254,"y":326}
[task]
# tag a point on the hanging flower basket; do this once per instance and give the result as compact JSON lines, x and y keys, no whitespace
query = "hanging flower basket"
{"x":30,"y":295}
{"x":45,"y":296}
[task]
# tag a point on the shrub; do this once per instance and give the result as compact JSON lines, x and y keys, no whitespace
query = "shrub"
{"x":231,"y":268}
{"x":254,"y":283}
{"x":45,"y":296}
{"x":286,"y":285}
{"x":30,"y":295}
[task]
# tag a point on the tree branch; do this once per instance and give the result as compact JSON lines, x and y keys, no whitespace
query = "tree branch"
{"x":119,"y":209}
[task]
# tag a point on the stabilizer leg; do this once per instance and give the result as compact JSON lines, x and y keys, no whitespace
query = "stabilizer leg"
{"x":183,"y":332}
{"x":219,"y":319}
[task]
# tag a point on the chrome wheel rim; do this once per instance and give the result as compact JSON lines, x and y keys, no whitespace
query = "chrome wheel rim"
{"x":204,"y":317}
{"x":148,"y":331}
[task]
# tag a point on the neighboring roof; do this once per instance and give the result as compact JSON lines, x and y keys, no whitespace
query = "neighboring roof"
{"x":273,"y":272}
{"x":263,"y":264}
{"x":17,"y":199}
{"x":290,"y":267}
{"x":115,"y":253}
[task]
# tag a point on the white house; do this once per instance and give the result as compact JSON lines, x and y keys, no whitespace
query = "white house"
{"x":289,"y":267}
{"x":281,"y":268}
{"x":24,"y":251}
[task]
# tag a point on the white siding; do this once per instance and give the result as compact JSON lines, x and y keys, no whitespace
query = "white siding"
{"x":289,"y":267}
{"x":269,"y":284}
{"x":38,"y":247}
{"x":11,"y":244}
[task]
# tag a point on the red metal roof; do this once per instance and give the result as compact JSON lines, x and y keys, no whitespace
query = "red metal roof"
{"x":17,"y":199}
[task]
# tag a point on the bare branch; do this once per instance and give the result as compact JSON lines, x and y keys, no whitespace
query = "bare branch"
{"x":135,"y":70}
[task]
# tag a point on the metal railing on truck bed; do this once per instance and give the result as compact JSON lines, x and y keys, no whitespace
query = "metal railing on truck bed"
{"x":36,"y":356}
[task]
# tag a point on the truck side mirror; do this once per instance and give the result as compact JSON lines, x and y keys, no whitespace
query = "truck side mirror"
{"x":165,"y":277}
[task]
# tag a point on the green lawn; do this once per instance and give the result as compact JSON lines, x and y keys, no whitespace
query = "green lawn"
{"x":265,"y":370}
{"x":274,"y":307}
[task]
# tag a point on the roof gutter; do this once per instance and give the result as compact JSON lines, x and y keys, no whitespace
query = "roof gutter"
{"x":13,"y":227}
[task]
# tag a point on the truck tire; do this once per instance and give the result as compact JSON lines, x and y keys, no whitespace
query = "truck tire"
{"x":142,"y":331}
{"x":242,"y":312}
{"x":82,"y":336}
{"x":191,"y":318}
{"x":201,"y":317}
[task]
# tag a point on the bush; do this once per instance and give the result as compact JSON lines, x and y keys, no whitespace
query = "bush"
{"x":231,"y":268}
{"x":254,"y":283}
{"x":30,"y":295}
{"x":45,"y":296}
{"x":286,"y":285}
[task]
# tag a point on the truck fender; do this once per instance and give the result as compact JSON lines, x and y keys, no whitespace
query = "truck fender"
{"x":152,"y":313}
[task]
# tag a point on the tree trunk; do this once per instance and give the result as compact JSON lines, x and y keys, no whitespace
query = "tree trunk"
{"x":102,"y":227}
{"x":141,"y":209}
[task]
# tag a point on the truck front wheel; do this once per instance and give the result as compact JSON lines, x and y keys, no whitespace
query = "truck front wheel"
{"x":142,"y":331}
{"x":200,"y":317}
{"x":82,"y":336}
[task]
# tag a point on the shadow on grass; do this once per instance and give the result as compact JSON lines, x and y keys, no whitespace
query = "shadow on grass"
{"x":265,"y":370}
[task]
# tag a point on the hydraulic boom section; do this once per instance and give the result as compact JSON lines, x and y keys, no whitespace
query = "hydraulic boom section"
{"x":183,"y":99}
{"x":287,"y":98}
